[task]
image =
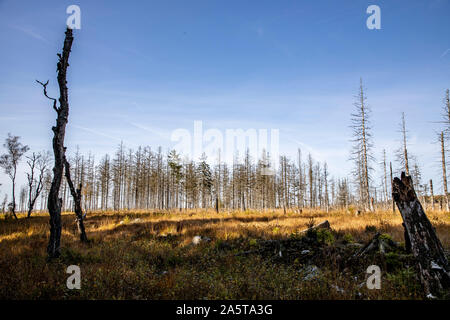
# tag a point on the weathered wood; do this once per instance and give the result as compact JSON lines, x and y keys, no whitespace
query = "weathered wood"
{"x":432,"y":194}
{"x":444,"y":172}
{"x":76,"y":195}
{"x":217,"y":204}
{"x":377,"y":244}
{"x":54,"y":201}
{"x":368,"y":247}
{"x":392,"y":188}
{"x":433,"y":266}
{"x":323,"y":225}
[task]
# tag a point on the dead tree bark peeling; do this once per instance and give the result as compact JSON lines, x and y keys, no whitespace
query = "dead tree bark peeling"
{"x":433,"y":266}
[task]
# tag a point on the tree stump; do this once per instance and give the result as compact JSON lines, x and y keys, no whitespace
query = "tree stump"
{"x":323,"y":225}
{"x":420,"y":235}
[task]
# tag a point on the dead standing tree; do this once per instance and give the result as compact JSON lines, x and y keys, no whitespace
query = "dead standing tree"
{"x":425,"y":245}
{"x":37,"y":163}
{"x":54,"y":201}
{"x":76,"y":194}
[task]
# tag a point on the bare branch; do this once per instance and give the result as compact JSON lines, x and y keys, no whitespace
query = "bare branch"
{"x":44,"y":85}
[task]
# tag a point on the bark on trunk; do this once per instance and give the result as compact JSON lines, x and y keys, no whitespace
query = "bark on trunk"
{"x":425,"y":245}
{"x":54,"y":201}
{"x":217,"y":204}
{"x":31,"y":206}
{"x":76,"y":195}
{"x":13,"y":208}
{"x":392,"y":188}
{"x":444,"y":172}
{"x":432,"y":194}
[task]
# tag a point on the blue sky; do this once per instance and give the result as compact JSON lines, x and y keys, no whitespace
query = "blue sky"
{"x":141,"y":69}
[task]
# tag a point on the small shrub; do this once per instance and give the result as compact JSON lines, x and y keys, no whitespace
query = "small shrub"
{"x":385,"y":237}
{"x":393,"y":261}
{"x":347,"y":238}
{"x":325,"y":236}
{"x":296,"y":236}
{"x":311,"y":223}
{"x":406,"y":279}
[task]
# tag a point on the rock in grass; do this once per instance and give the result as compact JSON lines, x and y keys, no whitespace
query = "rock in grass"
{"x":196,"y":240}
{"x":338,"y":289}
{"x":311,"y":272}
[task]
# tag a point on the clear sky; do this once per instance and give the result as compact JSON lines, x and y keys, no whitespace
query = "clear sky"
{"x":141,"y":69}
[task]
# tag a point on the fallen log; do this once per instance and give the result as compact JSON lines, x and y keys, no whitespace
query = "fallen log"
{"x":421,"y":237}
{"x":379,"y":243}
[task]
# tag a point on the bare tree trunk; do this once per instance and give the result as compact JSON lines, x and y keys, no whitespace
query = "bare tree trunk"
{"x":41,"y":161}
{"x":30,"y":176}
{"x":54,"y":202}
{"x":405,"y":150}
{"x":13,"y":210}
{"x":425,"y":245}
{"x":76,"y":195}
{"x":444,"y":172}
{"x":432,"y":194}
{"x":300,"y":188}
{"x":217,"y":204}
{"x":385,"y":179}
{"x":392,"y":188}
{"x":364,"y":155}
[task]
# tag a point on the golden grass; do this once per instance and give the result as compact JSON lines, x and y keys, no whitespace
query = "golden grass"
{"x":149,"y":255}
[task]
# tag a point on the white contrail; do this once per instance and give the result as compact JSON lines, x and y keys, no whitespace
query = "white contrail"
{"x":445,"y":52}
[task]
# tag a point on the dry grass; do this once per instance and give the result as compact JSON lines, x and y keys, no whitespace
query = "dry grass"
{"x":149,"y":255}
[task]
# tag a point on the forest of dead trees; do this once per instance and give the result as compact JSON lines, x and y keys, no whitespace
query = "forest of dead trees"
{"x":152,"y":179}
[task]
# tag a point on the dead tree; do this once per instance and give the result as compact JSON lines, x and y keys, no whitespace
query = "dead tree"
{"x":9,"y":162}
{"x":217,"y":204}
{"x":444,"y":172}
{"x":425,"y":245}
{"x":362,"y":146}
{"x":76,"y":194}
{"x":403,"y":152}
{"x":432,"y":194}
{"x":37,"y":162}
{"x":392,"y":188}
{"x":54,"y":201}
